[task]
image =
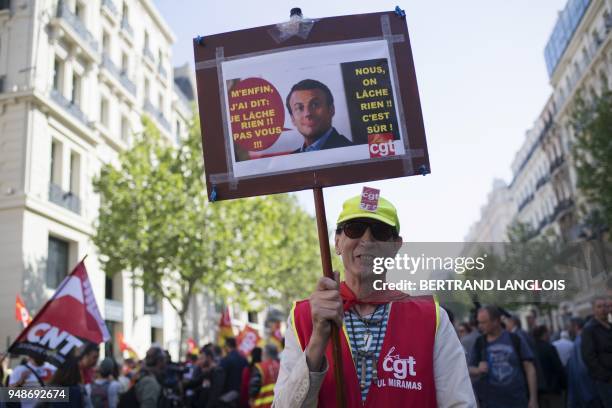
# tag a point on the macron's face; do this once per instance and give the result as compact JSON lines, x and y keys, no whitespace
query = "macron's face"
{"x":310,"y":113}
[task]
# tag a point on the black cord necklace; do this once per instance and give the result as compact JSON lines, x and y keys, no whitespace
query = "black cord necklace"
{"x":364,"y":355}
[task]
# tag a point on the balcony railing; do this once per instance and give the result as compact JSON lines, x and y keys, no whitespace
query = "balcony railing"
{"x":157,"y":115}
{"x":541,"y":182}
{"x":119,"y":74}
{"x":65,"y":199}
{"x":148,"y":54}
{"x":125,"y":26}
{"x":71,"y":107}
{"x":110,"y":6}
{"x":113,"y":310}
{"x":525,"y":202}
{"x":63,"y":12}
{"x":556,"y":163}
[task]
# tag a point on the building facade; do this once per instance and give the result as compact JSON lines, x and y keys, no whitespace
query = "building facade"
{"x":578,"y":58}
{"x":75,"y":78}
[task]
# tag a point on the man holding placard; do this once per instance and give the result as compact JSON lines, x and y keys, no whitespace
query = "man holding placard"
{"x":395,"y":349}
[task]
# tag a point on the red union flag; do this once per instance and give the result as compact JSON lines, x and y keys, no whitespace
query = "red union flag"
{"x":69,"y":319}
{"x":21,"y":313}
{"x":225,"y":327}
{"x":247,"y":340}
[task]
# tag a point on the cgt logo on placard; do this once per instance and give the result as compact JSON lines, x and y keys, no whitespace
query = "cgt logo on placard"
{"x":381,"y":145}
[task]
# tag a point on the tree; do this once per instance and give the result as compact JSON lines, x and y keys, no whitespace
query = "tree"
{"x":592,"y":122}
{"x":156,"y":222}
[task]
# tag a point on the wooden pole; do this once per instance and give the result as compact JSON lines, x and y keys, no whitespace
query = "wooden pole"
{"x":328,"y":272}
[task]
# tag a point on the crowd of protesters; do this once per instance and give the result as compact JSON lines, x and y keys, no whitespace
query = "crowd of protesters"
{"x":515,"y":367}
{"x":211,"y":377}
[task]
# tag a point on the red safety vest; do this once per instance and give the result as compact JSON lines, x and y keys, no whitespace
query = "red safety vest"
{"x":269,"y":373}
{"x":405,"y":364}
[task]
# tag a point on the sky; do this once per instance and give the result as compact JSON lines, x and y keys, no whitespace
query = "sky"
{"x":482,"y":82}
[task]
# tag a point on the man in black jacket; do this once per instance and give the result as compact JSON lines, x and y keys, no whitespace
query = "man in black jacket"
{"x":551,"y":374}
{"x":597,"y":350}
{"x":311,"y":106}
{"x":232,"y":364}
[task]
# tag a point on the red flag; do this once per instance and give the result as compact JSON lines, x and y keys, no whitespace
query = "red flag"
{"x":124,"y":347}
{"x":247,"y":340}
{"x":225,"y":327}
{"x":192,"y":347}
{"x":21,"y":313}
{"x":65,"y":322}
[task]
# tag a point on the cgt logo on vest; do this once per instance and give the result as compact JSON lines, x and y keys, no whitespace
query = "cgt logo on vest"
{"x":381,"y":145}
{"x":401,"y":369}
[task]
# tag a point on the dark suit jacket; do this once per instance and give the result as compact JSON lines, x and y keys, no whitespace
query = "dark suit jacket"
{"x":335,"y":140}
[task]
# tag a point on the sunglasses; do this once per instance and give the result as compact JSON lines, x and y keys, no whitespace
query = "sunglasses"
{"x":355,"y":229}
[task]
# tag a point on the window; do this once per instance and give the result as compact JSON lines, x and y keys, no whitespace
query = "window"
{"x":58,"y":72}
{"x":106,"y":43}
{"x":76,"y":90}
{"x":146,"y":40}
{"x":57,"y":262}
{"x":178,"y":131}
{"x":160,"y":102}
{"x":160,"y":57}
{"x":79,"y":10}
{"x":75,"y":172}
{"x":253,"y":317}
{"x":124,"y":13}
{"x":109,"y":345}
{"x":147,"y":90}
{"x":56,"y":163}
{"x":125,"y":64}
{"x":5,"y":4}
{"x":108,"y":287}
{"x":104,"y":112}
{"x":125,"y":129}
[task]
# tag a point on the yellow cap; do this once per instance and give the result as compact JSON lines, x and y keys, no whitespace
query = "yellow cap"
{"x":385,"y":212}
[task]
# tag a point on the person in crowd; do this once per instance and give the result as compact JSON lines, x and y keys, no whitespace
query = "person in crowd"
{"x":596,"y":350}
{"x":208,"y":384}
{"x":514,"y":325}
{"x":581,"y":389}
{"x":564,"y":347}
{"x":69,"y":375}
{"x":147,"y":390}
{"x":551,"y":378}
{"x":105,"y":389}
{"x":246,"y":376}
{"x":88,"y":360}
{"x":504,"y":362}
{"x":192,"y":370}
{"x":232,"y":364}
{"x":467,"y":336}
{"x":263,"y":378}
{"x":128,"y":370}
{"x":34,"y":372}
{"x":407,"y":335}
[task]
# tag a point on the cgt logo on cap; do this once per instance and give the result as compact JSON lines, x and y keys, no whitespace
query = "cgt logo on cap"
{"x":381,"y":145}
{"x":369,"y":199}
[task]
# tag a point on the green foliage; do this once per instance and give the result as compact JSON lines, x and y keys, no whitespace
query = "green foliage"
{"x":156,"y":223}
{"x":592,"y":123}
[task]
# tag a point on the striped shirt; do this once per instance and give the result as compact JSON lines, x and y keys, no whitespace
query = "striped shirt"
{"x":357,"y":330}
